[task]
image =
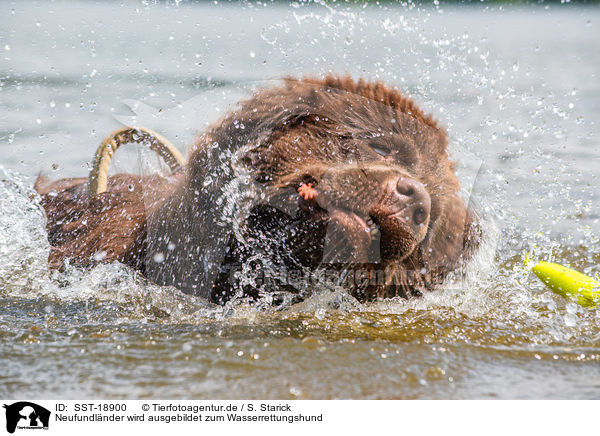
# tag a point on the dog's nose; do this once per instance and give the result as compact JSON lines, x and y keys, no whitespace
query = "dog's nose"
{"x":415,"y":198}
{"x":409,"y":187}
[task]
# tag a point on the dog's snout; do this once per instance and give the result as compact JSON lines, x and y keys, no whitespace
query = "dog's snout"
{"x":420,"y":216}
{"x":415,"y":200}
{"x":409,"y":188}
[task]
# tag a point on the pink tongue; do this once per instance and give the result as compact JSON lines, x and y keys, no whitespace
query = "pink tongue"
{"x":348,"y":235}
{"x":348,"y":240}
{"x":344,"y":217}
{"x":349,"y":220}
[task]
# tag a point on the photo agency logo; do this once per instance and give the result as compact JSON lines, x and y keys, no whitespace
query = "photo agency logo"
{"x":24,"y":415}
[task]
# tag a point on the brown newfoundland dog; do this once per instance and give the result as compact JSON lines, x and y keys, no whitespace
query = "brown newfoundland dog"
{"x":314,"y":180}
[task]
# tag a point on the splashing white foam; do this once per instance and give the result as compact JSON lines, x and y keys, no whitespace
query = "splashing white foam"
{"x":24,"y":246}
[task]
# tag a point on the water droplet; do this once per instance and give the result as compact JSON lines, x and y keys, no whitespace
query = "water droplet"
{"x":99,"y":255}
{"x":296,"y":392}
{"x":570,"y":319}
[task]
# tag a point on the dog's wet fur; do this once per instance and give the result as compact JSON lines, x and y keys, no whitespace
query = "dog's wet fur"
{"x":378,"y":194}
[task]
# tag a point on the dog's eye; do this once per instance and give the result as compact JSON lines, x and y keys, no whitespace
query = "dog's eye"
{"x":381,"y":150}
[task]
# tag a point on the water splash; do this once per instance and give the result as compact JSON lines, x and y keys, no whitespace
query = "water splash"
{"x":24,"y":246}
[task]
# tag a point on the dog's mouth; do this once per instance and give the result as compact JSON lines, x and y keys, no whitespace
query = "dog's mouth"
{"x":353,"y":220}
{"x":381,"y":235}
{"x":398,"y":239}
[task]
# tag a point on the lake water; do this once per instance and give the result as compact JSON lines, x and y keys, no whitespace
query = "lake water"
{"x":518,"y":89}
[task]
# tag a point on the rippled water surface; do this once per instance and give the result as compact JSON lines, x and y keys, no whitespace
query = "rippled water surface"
{"x":517,"y":88}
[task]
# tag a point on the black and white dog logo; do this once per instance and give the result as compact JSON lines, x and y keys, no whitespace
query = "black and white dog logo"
{"x":26,"y":415}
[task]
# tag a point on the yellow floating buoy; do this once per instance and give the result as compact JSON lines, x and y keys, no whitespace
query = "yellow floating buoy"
{"x":568,"y":283}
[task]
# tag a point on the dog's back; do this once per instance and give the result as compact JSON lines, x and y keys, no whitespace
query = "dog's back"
{"x":106,"y":227}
